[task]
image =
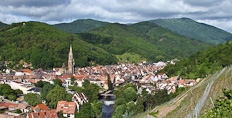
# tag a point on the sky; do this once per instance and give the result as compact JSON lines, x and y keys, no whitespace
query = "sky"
{"x":213,"y":12}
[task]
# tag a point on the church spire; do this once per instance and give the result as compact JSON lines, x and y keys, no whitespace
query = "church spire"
{"x":70,"y":61}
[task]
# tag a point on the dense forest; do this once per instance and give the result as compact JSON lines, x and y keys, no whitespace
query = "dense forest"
{"x":128,"y":103}
{"x":80,"y":25}
{"x":193,"y":29}
{"x":202,"y":63}
{"x":146,"y":39}
{"x":45,"y":46}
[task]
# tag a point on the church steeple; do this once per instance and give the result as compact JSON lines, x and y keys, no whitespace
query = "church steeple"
{"x":71,"y":62}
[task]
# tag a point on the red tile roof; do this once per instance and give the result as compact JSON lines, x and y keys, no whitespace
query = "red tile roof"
{"x":43,"y":114}
{"x":41,"y":107}
{"x":27,"y":71}
{"x":6,"y":105}
{"x":66,"y":107}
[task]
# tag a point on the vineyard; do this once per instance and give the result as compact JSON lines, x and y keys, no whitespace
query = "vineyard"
{"x":201,"y":99}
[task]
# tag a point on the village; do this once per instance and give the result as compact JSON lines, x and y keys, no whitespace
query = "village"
{"x":143,"y":75}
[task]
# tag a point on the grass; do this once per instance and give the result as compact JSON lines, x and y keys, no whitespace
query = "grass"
{"x":154,"y":114}
{"x":130,"y":57}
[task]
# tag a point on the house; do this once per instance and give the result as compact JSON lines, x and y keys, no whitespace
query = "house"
{"x":43,"y":114}
{"x":24,"y":87}
{"x":27,"y":71}
{"x":68,"y":108}
{"x":8,"y":106}
{"x":40,"y":108}
{"x":24,"y":107}
{"x":79,"y":99}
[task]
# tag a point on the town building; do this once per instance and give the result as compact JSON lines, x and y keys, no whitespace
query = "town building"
{"x":68,"y":108}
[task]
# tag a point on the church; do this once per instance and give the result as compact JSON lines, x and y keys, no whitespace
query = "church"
{"x":71,"y":63}
{"x":69,"y":69}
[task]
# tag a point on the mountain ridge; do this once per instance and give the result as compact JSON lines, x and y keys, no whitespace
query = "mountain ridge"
{"x":193,"y":29}
{"x":80,"y":25}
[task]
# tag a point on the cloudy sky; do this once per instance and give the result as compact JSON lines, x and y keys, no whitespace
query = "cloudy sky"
{"x":214,"y":12}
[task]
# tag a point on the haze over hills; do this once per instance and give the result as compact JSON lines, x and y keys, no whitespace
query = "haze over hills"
{"x":80,"y":25}
{"x":146,"y":39}
{"x":46,"y":47}
{"x":193,"y":29}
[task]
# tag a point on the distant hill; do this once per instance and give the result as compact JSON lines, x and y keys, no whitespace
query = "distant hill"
{"x":146,"y":39}
{"x":193,"y":29}
{"x":2,"y":24}
{"x":46,"y":47}
{"x":81,"y":25}
{"x":202,"y":63}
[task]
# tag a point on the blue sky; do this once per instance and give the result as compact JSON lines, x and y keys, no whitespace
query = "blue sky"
{"x":213,"y":12}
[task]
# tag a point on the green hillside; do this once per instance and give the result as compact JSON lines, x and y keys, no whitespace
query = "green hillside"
{"x":146,"y":39}
{"x":81,"y":25}
{"x":193,"y":29}
{"x":2,"y":24}
{"x":202,"y":63}
{"x":46,"y":47}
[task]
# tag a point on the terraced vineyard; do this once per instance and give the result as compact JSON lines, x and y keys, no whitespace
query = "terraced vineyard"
{"x":201,"y":95}
{"x":196,"y":101}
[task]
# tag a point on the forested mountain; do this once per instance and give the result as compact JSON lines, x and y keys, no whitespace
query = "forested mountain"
{"x":202,"y":63}
{"x":81,"y":25}
{"x":146,"y":39}
{"x":193,"y":29}
{"x":2,"y":24}
{"x":46,"y":47}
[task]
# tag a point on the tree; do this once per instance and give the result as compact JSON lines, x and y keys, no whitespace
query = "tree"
{"x":162,"y":96}
{"x":76,"y":88}
{"x":17,"y":92}
{"x":86,"y":83}
{"x":130,"y":94}
{"x":96,"y":108}
{"x":119,"y":101}
{"x":41,"y":84}
{"x":119,"y":111}
{"x":139,"y":108}
{"x":11,"y":97}
{"x":56,"y":94}
{"x":91,"y":91}
{"x":45,"y":90}
{"x":72,"y":80}
{"x":85,"y":111}
{"x":69,"y":97}
{"x":110,"y":84}
{"x":33,"y":99}
{"x":60,"y":114}
{"x":18,"y":111}
{"x":6,"y":91}
{"x":57,"y":82}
